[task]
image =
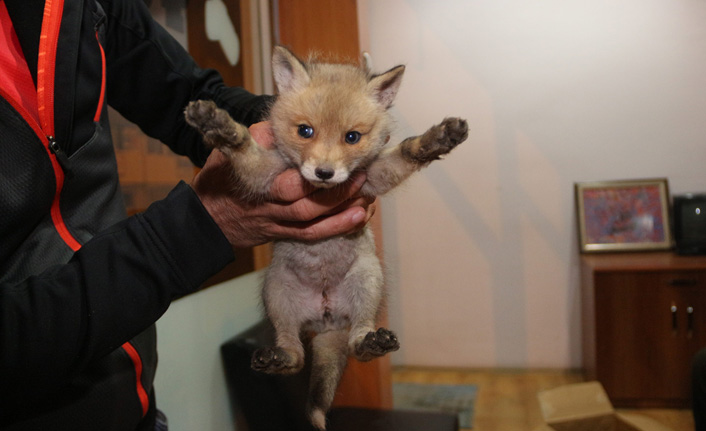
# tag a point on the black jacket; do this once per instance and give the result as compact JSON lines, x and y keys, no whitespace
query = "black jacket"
{"x":80,"y":285}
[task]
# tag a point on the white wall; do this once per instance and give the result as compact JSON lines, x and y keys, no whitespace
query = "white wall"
{"x":190,"y":382}
{"x":481,"y":248}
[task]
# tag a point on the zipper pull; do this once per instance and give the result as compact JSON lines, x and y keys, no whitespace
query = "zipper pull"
{"x":100,"y":22}
{"x":61,"y":157}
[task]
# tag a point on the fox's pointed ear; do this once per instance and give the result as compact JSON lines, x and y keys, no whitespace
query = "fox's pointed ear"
{"x":384,"y":86}
{"x":289,"y":72}
{"x":366,"y":62}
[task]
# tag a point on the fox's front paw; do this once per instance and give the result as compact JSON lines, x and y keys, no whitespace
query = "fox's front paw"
{"x":275,"y":360}
{"x":439,"y":140}
{"x":376,"y":344}
{"x":215,"y":124}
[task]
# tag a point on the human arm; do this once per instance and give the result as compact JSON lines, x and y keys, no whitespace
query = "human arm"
{"x":54,"y":324}
{"x":137,"y":46}
{"x":151,"y":78}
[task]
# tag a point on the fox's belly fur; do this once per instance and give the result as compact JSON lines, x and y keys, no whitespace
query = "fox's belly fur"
{"x":323,"y":284}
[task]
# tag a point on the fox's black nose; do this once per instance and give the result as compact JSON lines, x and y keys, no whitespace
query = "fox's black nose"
{"x":324,"y":173}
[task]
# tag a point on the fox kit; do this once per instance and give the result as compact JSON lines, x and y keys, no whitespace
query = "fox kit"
{"x":329,"y":121}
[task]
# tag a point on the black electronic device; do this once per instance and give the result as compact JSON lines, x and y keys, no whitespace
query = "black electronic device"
{"x":690,"y":223}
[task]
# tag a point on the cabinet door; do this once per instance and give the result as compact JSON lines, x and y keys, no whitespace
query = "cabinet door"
{"x":648,"y":326}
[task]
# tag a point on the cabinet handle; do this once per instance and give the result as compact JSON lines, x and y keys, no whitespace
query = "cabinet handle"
{"x":682,"y":282}
{"x":675,"y":325}
{"x":690,"y":321}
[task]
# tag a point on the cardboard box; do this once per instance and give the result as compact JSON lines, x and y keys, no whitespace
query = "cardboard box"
{"x":586,"y":407}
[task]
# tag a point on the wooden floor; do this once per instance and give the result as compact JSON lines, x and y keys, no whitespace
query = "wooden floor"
{"x":507,"y":399}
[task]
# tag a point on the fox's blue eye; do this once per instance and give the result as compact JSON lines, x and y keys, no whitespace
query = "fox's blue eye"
{"x":352,"y":137}
{"x":305,"y":131}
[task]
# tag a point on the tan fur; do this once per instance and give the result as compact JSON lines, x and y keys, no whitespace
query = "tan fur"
{"x":333,"y":288}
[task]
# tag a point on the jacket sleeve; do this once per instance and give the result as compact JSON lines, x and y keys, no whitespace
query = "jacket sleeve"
{"x":119,"y":283}
{"x":122,"y":280}
{"x":151,"y":78}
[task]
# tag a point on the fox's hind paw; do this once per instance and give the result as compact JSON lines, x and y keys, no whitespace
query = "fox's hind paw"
{"x":275,"y":360}
{"x":376,"y":344}
{"x":215,"y":124}
{"x":439,"y":140}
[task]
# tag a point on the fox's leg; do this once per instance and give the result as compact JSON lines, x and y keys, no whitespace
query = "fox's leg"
{"x":364,"y":287}
{"x":329,"y":358}
{"x":286,"y":357}
{"x":254,"y":166}
{"x":287,"y":308}
{"x":397,"y":163}
{"x":375,"y":344}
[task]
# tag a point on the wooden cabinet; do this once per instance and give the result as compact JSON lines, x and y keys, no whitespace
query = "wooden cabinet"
{"x":643,"y":319}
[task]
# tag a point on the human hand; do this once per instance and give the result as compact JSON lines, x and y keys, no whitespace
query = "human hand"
{"x":294,"y":209}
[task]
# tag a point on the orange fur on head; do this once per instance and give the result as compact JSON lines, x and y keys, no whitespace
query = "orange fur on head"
{"x":334,"y":100}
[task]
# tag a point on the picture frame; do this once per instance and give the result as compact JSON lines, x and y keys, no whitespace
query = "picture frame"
{"x":623,"y":215}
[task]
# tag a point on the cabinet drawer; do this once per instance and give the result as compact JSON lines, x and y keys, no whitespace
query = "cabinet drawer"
{"x":652,"y":279}
{"x":693,"y":279}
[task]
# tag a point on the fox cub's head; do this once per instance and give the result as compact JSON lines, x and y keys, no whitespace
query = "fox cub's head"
{"x":330,"y":119}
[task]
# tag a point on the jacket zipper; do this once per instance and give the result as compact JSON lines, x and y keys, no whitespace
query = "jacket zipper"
{"x":53,"y":14}
{"x":55,"y":211}
{"x":46,"y":68}
{"x":61,"y":157}
{"x":53,"y":10}
{"x":101,"y":99}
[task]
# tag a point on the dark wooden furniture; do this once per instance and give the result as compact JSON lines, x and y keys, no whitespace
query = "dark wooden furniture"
{"x":643,"y":318}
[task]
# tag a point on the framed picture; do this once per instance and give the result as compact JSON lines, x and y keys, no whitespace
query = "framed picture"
{"x":628,"y":215}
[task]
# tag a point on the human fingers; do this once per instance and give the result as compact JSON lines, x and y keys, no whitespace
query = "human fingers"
{"x":209,"y":179}
{"x":321,"y":202}
{"x":262,"y":134}
{"x":290,"y":186}
{"x":356,"y":201}
{"x":343,"y":223}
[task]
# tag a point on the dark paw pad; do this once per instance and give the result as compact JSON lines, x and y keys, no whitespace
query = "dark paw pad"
{"x":216,"y":125}
{"x":200,"y":113}
{"x":378,"y":343}
{"x":271,"y":360}
{"x":441,"y":139}
{"x":456,"y":130}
